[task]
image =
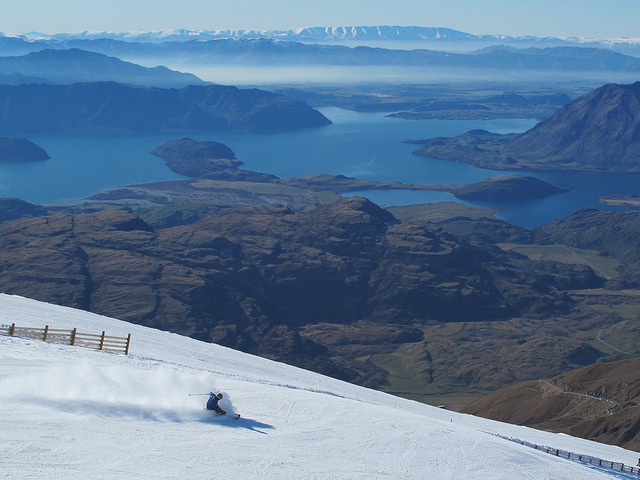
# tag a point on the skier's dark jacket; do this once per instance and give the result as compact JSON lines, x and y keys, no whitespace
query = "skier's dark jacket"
{"x":212,"y":404}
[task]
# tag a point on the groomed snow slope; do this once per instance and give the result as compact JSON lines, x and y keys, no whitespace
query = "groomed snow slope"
{"x":75,"y":413}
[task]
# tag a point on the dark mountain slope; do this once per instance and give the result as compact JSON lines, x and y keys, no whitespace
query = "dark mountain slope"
{"x":599,"y":402}
{"x":74,"y":65}
{"x":14,"y":208}
{"x":115,"y":107}
{"x":597,"y":132}
{"x":250,"y":278}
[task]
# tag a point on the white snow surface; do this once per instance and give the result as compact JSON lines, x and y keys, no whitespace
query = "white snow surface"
{"x":76,"y":413}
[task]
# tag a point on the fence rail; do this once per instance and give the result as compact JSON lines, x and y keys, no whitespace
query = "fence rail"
{"x":618,"y":466}
{"x":70,"y":337}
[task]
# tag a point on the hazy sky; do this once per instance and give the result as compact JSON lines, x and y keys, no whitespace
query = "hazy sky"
{"x":591,"y":18}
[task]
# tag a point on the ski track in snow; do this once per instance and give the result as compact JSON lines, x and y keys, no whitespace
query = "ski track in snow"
{"x":77,"y":413}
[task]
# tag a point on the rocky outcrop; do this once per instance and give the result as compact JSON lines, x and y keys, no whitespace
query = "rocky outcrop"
{"x":596,"y":132}
{"x":115,"y":107}
{"x":21,"y":150}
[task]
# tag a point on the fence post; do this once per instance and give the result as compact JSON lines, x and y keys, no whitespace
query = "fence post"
{"x":46,"y":332}
{"x":12,"y":329}
{"x":73,"y":336}
{"x":126,"y":350}
{"x":102,"y":340}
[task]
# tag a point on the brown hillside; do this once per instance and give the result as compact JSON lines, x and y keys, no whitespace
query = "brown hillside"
{"x":599,"y":402}
{"x":598,"y":131}
{"x":252,"y":278}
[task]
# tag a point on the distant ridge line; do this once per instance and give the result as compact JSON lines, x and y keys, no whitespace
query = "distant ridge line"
{"x":339,"y":33}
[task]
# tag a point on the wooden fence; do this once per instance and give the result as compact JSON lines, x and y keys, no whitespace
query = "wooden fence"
{"x":71,"y":337}
{"x":618,"y":466}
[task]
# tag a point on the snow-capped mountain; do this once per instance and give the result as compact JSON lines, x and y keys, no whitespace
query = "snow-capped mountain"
{"x":401,"y":36}
{"x":75,"y":413}
{"x":448,"y":36}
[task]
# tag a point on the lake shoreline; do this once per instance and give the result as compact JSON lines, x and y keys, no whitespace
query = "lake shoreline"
{"x":364,"y":146}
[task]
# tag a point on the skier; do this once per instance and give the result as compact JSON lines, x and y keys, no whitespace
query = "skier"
{"x":212,"y":403}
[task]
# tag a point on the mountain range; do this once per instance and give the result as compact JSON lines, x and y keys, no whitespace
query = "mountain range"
{"x":430,"y":37}
{"x":273,"y":52}
{"x":340,"y":288}
{"x":253,"y":278}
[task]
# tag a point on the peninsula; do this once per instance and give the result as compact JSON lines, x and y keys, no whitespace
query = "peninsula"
{"x":596,"y":132}
{"x":21,"y":150}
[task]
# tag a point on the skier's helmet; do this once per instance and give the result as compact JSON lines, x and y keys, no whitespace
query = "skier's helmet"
{"x":219,"y":396}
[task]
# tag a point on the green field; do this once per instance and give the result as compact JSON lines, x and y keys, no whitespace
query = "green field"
{"x":625,"y":310}
{"x":438,"y":212}
{"x":605,"y":266}
{"x":401,"y":376}
{"x":406,"y":383}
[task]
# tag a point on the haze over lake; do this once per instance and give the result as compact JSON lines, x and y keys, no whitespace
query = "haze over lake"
{"x":294,"y":75}
{"x":362,"y":145}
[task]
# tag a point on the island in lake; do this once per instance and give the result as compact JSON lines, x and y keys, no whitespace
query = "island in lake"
{"x":218,"y":180}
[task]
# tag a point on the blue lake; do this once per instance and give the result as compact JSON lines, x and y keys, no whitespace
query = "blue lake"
{"x":362,"y":145}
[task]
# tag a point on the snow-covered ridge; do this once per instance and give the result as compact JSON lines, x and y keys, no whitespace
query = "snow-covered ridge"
{"x":352,"y":34}
{"x":78,"y":413}
{"x":400,"y":33}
